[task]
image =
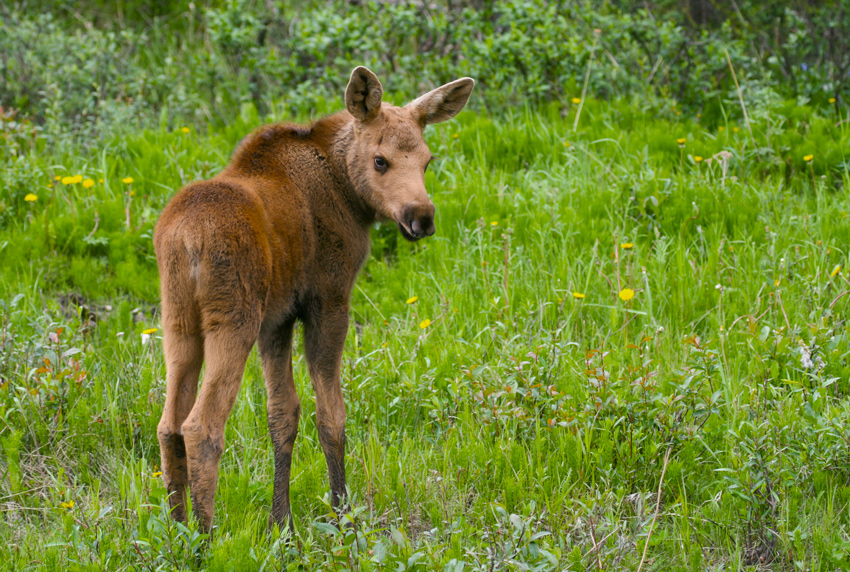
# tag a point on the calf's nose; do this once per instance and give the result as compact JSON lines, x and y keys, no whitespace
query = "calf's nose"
{"x":420,"y":219}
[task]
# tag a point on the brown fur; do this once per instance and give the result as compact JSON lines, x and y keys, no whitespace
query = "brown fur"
{"x":279,"y":236}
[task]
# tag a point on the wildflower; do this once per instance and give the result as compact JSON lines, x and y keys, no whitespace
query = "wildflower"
{"x":494,"y":223}
{"x":156,"y":474}
{"x":776,"y":282}
{"x":626,"y":245}
{"x":412,"y":300}
{"x":576,"y":100}
{"x":681,"y":141}
{"x":100,"y":180}
{"x":721,"y":128}
{"x":31,"y":198}
{"x":456,"y":135}
{"x":808,"y":158}
{"x":566,"y":143}
{"x":57,"y":178}
{"x":627,"y":294}
{"x":698,"y":159}
{"x":67,"y":505}
{"x":76,"y":179}
{"x":578,"y":295}
{"x":127,"y":180}
{"x":424,"y":323}
{"x":835,"y":270}
{"x":88,"y":183}
{"x":735,"y":129}
{"x":832,"y":100}
{"x":150,"y":331}
{"x":67,"y":180}
{"x":185,"y":129}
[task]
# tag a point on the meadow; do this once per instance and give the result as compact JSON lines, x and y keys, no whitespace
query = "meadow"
{"x":626,"y":348}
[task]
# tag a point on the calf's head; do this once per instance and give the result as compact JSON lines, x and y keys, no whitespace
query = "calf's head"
{"x":388,"y":155}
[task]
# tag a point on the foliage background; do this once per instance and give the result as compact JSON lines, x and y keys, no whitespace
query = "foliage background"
{"x":531,"y":423}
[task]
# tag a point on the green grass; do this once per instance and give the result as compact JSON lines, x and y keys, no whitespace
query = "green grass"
{"x":524,"y":428}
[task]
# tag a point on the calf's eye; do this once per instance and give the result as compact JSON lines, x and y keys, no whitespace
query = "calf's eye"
{"x":381,"y":164}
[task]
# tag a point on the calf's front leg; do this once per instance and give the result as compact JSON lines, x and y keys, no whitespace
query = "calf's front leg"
{"x":324,"y":339}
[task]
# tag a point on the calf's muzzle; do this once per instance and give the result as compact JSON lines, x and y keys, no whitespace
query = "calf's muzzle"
{"x":417,"y":221}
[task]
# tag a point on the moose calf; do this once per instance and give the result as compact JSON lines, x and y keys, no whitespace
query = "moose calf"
{"x":279,"y":236}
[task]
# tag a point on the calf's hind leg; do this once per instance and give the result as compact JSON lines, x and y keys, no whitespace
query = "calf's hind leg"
{"x":226,"y":351}
{"x":184,"y":354}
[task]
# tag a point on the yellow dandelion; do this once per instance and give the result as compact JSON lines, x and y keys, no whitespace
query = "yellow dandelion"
{"x":150,"y":331}
{"x":566,"y":143}
{"x":127,"y":180}
{"x":681,"y":141}
{"x":67,"y":505}
{"x":67,"y":180}
{"x":88,"y":183}
{"x":185,"y":129}
{"x":424,"y":323}
{"x":627,"y":294}
{"x":578,"y":295}
{"x":76,"y":179}
{"x":31,"y":198}
{"x":626,"y":245}
{"x":776,"y":282}
{"x":832,"y":100}
{"x":721,"y":128}
{"x":132,"y":193}
{"x":808,"y":158}
{"x":456,"y":135}
{"x":156,"y":474}
{"x":494,"y":223}
{"x":412,"y":300}
{"x":698,"y":159}
{"x":835,"y":270}
{"x":100,"y":180}
{"x":735,"y":129}
{"x":576,"y":100}
{"x":57,"y":178}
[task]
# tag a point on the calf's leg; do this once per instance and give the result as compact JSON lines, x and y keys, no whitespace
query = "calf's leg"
{"x":324,"y":339}
{"x":226,"y":351}
{"x":284,"y":409}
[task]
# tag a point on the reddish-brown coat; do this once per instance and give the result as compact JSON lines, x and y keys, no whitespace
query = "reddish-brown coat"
{"x":279,"y":236}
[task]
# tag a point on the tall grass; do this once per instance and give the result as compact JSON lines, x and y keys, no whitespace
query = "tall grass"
{"x":527,"y":426}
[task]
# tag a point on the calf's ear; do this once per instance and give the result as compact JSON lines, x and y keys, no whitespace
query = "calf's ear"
{"x":363,"y":94}
{"x":442,"y":103}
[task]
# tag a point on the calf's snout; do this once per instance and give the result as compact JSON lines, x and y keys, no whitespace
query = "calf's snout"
{"x":419,"y":219}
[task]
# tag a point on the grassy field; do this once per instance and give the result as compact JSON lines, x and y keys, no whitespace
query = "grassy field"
{"x":632,"y":302}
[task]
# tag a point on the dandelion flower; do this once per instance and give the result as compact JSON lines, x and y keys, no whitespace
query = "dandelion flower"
{"x":88,"y":183}
{"x":578,"y":295}
{"x":57,"y":178}
{"x":576,"y":100}
{"x":76,"y":179}
{"x":424,"y":323}
{"x":494,"y":223}
{"x":832,"y":100}
{"x":127,"y":180}
{"x":100,"y":180}
{"x":808,"y":158}
{"x":31,"y":198}
{"x":185,"y":129}
{"x":456,"y":135}
{"x":150,"y":331}
{"x":626,"y":245}
{"x":835,"y":270}
{"x":776,"y":282}
{"x":627,"y":294}
{"x":156,"y":474}
{"x":566,"y":143}
{"x":721,"y":128}
{"x":698,"y":159}
{"x":67,"y":505}
{"x":67,"y":180}
{"x":412,"y":300}
{"x":681,"y":141}
{"x":735,"y":129}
